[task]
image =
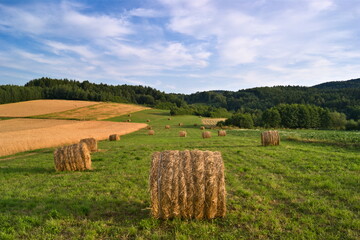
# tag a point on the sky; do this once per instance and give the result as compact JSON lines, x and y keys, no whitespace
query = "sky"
{"x":181,"y":46}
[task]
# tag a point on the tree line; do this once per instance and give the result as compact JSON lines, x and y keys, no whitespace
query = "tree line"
{"x":279,"y":106}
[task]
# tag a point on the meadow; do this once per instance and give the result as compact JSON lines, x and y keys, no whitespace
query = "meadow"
{"x":298,"y":190}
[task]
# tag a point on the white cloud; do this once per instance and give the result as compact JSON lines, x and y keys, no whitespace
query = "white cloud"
{"x":61,"y":21}
{"x":321,"y":5}
{"x":143,"y":12}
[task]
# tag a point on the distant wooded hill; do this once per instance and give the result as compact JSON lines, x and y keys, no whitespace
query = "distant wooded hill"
{"x":340,"y":96}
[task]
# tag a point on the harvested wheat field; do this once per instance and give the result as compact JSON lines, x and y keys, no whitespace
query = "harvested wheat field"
{"x":99,"y":111}
{"x":40,"y":107}
{"x":211,"y":121}
{"x":19,"y":135}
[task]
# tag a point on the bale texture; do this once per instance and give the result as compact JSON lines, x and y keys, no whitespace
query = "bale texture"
{"x":151,"y":132}
{"x":206,"y":134}
{"x":182,"y":134}
{"x":270,"y":138}
{"x":221,"y":133}
{"x":72,"y":158}
{"x":91,"y":144}
{"x":202,"y":128}
{"x":187,"y":184}
{"x":114,"y":137}
{"x":167,"y":126}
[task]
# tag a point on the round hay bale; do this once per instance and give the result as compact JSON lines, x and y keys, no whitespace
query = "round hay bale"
{"x":148,"y":120}
{"x":75,"y":157}
{"x":91,"y":143}
{"x":151,"y":132}
{"x":167,"y":126}
{"x":129,"y":115}
{"x":129,"y":120}
{"x":221,"y":133}
{"x":182,"y":134}
{"x":202,"y":128}
{"x":270,"y":138}
{"x":187,"y":184}
{"x":114,"y":137}
{"x":206,"y":134}
{"x":149,"y":127}
{"x":169,"y":118}
{"x":181,"y":124}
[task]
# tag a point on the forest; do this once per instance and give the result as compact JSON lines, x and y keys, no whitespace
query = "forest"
{"x":331,"y":105}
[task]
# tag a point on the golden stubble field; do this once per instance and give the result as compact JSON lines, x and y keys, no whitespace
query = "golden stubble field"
{"x":43,"y":131}
{"x":99,"y":111}
{"x":19,"y":135}
{"x":211,"y":122}
{"x":40,"y":107}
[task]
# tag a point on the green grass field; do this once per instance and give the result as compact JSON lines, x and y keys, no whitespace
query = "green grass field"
{"x":298,"y":190}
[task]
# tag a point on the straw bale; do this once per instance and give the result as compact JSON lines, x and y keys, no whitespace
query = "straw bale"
{"x":149,"y":127}
{"x":129,"y":120}
{"x":129,"y":115}
{"x":270,"y":138}
{"x":202,"y":128}
{"x":187,"y":184}
{"x":206,"y":134}
{"x":167,"y":126}
{"x":169,"y":118}
{"x":180,"y":124}
{"x":114,"y":137}
{"x":182,"y":134}
{"x":151,"y":132}
{"x":221,"y":133}
{"x":72,"y":158}
{"x":91,"y":143}
{"x":148,"y":120}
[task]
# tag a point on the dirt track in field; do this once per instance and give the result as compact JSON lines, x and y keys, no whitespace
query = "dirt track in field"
{"x":40,"y":107}
{"x":19,"y":135}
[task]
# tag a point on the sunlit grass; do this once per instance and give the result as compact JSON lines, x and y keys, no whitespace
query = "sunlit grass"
{"x":293,"y":191}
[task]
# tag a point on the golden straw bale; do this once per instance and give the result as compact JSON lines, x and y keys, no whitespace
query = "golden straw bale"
{"x":180,"y":124}
{"x":202,"y":128}
{"x":169,"y":118}
{"x":151,"y":132}
{"x":206,"y":134}
{"x":129,"y":120}
{"x":270,"y":138}
{"x":114,"y":137}
{"x":91,"y":143}
{"x":72,"y":158}
{"x":221,"y":133}
{"x":167,"y":126}
{"x":182,"y":134}
{"x":187,"y":184}
{"x":148,"y":120}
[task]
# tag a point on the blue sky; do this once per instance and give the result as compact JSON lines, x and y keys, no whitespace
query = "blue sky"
{"x":181,"y":46}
